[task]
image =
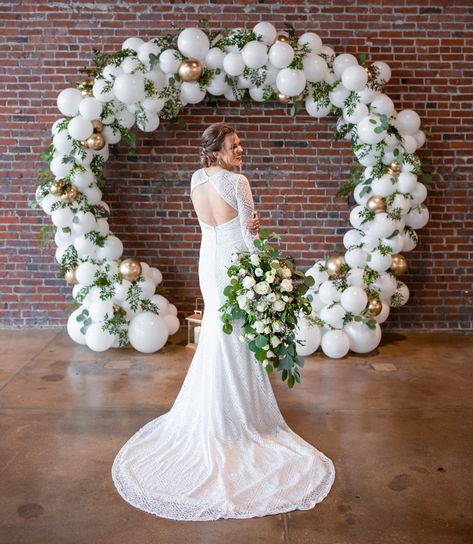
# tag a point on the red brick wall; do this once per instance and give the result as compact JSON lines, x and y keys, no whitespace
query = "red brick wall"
{"x":293,"y":165}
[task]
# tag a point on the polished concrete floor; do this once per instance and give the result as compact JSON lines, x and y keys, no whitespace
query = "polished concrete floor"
{"x":398,"y":424}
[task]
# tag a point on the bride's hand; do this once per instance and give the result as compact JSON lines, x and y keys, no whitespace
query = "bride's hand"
{"x":253,"y":224}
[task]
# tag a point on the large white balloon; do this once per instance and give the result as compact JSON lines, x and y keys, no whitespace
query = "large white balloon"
{"x":80,"y":128}
{"x":193,"y":42}
{"x":310,"y":336}
{"x":191,"y":92}
{"x":266,"y":31}
{"x":315,"y":67}
{"x":291,"y":82}
{"x":233,"y":64}
{"x":366,"y":130}
{"x":148,"y":332}
{"x":335,"y":344}
{"x":129,"y":88}
{"x":90,"y":108}
{"x":362,"y":338}
{"x":315,"y":108}
{"x":281,"y":54}
{"x":417,"y":217}
{"x":255,"y":54}
{"x":68,"y":101}
{"x":354,"y":78}
{"x":333,"y":315}
{"x":312,"y":40}
{"x":342,"y":62}
{"x":112,"y":249}
{"x":354,"y":299}
{"x":97,"y":339}
{"x":328,"y":292}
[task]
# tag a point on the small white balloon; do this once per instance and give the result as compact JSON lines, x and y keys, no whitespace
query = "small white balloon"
{"x":68,"y":101}
{"x":408,"y":122}
{"x":169,"y":61}
{"x":100,"y":310}
{"x":379,"y":262}
{"x":218,"y":86}
{"x":355,"y":257}
{"x":342,"y":62}
{"x":173,"y":323}
{"x":214,"y":58}
{"x":291,"y":82}
{"x":233,"y":64}
{"x":255,"y":54}
{"x":354,"y":299}
{"x":354,"y":78}
{"x":113,"y":248}
{"x":148,"y":124}
{"x":362,"y":338}
{"x":172,"y":310}
{"x":193,"y":42}
{"x":333,"y":315}
{"x":161,"y":302}
{"x":133,"y":43}
{"x":383,"y":71}
{"x":80,"y":128}
{"x":335,"y":344}
{"x":315,"y":67}
{"x":74,"y":327}
{"x":59,"y":168}
{"x":308,"y":334}
{"x":366,"y":130}
{"x":145,"y":50}
{"x":129,"y":88}
{"x":191,"y":92}
{"x":385,"y":285}
{"x":313,"y":40}
{"x":267,"y":32}
{"x":83,"y":222}
{"x":62,"y":142}
{"x":90,"y":108}
{"x":328,"y":292}
{"x":97,"y":339}
{"x":316,"y":108}
{"x":417,"y":217}
{"x":62,"y":217}
{"x":406,"y":182}
{"x":382,"y":104}
{"x":85,"y":273}
{"x":281,"y":54}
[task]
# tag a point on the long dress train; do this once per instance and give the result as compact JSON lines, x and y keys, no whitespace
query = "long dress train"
{"x":223,"y":450}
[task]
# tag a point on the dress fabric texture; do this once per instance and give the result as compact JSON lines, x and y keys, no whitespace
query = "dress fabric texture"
{"x":224,"y":449}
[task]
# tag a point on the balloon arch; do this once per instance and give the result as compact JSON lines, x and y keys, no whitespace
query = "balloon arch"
{"x":148,"y":81}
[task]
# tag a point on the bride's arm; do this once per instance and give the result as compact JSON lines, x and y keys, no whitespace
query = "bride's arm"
{"x":246,"y":208}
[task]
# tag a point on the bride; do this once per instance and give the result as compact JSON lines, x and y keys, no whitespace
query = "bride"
{"x":224,"y":449}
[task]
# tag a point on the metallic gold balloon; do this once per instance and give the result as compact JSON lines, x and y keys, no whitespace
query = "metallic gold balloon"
{"x":334,"y":264}
{"x":398,"y":265}
{"x":395,"y":166}
{"x":375,"y":306}
{"x":70,"y":195}
{"x":130,"y":269}
{"x":190,"y":70}
{"x":98,"y":125}
{"x":96,"y":142}
{"x":283,"y":98}
{"x":117,"y":308}
{"x":85,"y":87}
{"x":70,"y":276}
{"x":86,"y":92}
{"x":282,"y":37}
{"x":56,"y":187}
{"x":85,"y":144}
{"x":376,"y":204}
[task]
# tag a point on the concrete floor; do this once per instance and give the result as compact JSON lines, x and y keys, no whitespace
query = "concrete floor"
{"x":398,"y":424}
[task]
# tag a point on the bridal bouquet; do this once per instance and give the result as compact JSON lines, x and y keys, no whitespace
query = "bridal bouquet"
{"x":268,"y":293}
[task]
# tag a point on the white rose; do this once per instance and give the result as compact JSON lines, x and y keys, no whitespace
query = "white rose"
{"x":271,"y":297}
{"x":270,"y":354}
{"x":261,"y":306}
{"x":269,"y":277}
{"x":250,"y":295}
{"x":279,"y":306}
{"x":241,"y":300}
{"x":254,"y":259}
{"x":286,"y":298}
{"x":242,"y":272}
{"x":275,"y":341}
{"x":234,"y":257}
{"x":262,"y":287}
{"x":259,"y":272}
{"x":278,"y":326}
{"x":286,"y":272}
{"x":287,"y":285}
{"x":241,"y":338}
{"x":267,"y":330}
{"x":248,"y":282}
{"x":250,"y":336}
{"x":259,"y":326}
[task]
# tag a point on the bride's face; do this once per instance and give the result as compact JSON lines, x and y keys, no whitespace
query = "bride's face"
{"x":231,"y":154}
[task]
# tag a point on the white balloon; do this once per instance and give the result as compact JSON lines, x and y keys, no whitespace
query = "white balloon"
{"x":47,"y":203}
{"x":382,"y":225}
{"x":80,"y":128}
{"x":399,"y":202}
{"x":369,"y":242}
{"x":83,"y":179}
{"x":145,"y":50}
{"x":121,"y":290}
{"x":409,"y":143}
{"x":356,"y":277}
{"x":110,"y":72}
{"x":384,"y":314}
{"x":356,"y":258}
{"x":169,"y":61}
{"x":342,"y":62}
{"x":103,"y":226}
{"x":315,"y":67}
{"x":85,"y":273}
{"x":255,"y":54}
{"x":148,"y":332}
{"x":360,"y":198}
{"x":318,"y":272}
{"x":379,"y":262}
{"x":402,"y":293}
{"x":406,"y":182}
{"x":100,"y":310}
{"x":133,"y":43}
{"x":310,"y":336}
{"x":316,"y":302}
{"x":83,"y":222}
{"x":113,"y":248}
{"x":112,"y":135}
{"x":156,"y":275}
{"x":408,"y":122}
{"x":416,"y":218}
{"x":85,"y":248}
{"x":366,"y":130}
{"x":420,"y":138}
{"x":68,"y":101}
{"x":58,"y":168}
{"x":158,"y":77}
{"x":233,"y":64}
{"x":291,"y":82}
{"x":383,"y":186}
{"x":84,"y":157}
{"x":267,"y":32}
{"x":356,"y":219}
{"x":281,"y":54}
{"x":328,"y":292}
{"x":218,"y":85}
{"x":352,"y":237}
{"x":362,"y":339}
{"x":191,"y":92}
{"x":97,"y":339}
{"x":149,"y":124}
{"x":172,"y":310}
{"x":333,"y":315}
{"x":354,"y":299}
{"x":93,"y":194}
{"x":90,"y":108}
{"x":62,"y":217}
{"x":214,"y":58}
{"x":74,"y":327}
{"x":419,"y":194}
{"x":257,"y":94}
{"x":172,"y":323}
{"x":359,"y":112}
{"x":385,"y":285}
{"x":153,"y":104}
{"x":147,"y":287}
{"x":162,"y":303}
{"x":384,"y":71}
{"x":382,"y":104}
{"x":129,"y":88}
{"x":338,"y":95}
{"x":193,"y":42}
{"x":354,"y":78}
{"x":312,"y":40}
{"x":125,"y":118}
{"x":62,"y":142}
{"x":395,"y":243}
{"x":367,"y":95}
{"x":335,"y":344}
{"x":317,"y":109}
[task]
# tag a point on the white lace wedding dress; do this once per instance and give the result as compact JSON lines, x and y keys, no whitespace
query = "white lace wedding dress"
{"x":223,"y":450}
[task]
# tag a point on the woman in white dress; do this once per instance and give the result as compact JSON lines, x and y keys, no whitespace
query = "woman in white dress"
{"x":223,"y":450}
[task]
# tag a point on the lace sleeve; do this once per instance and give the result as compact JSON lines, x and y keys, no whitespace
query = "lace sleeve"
{"x":246,"y":208}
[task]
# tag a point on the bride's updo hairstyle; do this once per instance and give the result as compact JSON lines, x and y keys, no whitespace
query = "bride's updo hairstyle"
{"x":212,"y":140}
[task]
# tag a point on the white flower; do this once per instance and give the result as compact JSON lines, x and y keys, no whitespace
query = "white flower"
{"x":287,"y":285}
{"x":259,"y":326}
{"x":279,"y":306}
{"x":259,"y":272}
{"x":270,"y":276}
{"x":254,"y":258}
{"x":267,"y":330}
{"x":272,"y":297}
{"x":242,"y":301}
{"x":270,"y":354}
{"x":261,"y":306}
{"x":274,"y":263}
{"x":234,"y":257}
{"x":242,"y":272}
{"x":241,"y":338}
{"x":249,"y":336}
{"x":286,"y":272}
{"x":275,"y":341}
{"x":278,"y":326}
{"x":250,"y":295}
{"x":248,"y":282}
{"x":262,"y":287}
{"x":286,"y":298}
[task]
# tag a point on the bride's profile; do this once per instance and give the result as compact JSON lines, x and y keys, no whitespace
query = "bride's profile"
{"x":224,"y":449}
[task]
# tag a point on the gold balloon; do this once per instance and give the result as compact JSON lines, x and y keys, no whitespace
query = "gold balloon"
{"x":395,"y":166}
{"x":282,"y":37}
{"x":335,"y":264}
{"x":98,"y":125}
{"x":376,"y":204}
{"x":86,"y":92}
{"x":375,"y":306}
{"x":96,"y":142}
{"x":85,"y":87}
{"x":56,"y":188}
{"x":190,"y":70}
{"x":398,"y":265}
{"x":117,"y":308}
{"x":70,"y":195}
{"x":130,"y":269}
{"x":85,"y":144}
{"x":70,"y":276}
{"x":283,"y":98}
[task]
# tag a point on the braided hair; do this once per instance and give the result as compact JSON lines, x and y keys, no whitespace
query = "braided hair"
{"x":213,"y":138}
